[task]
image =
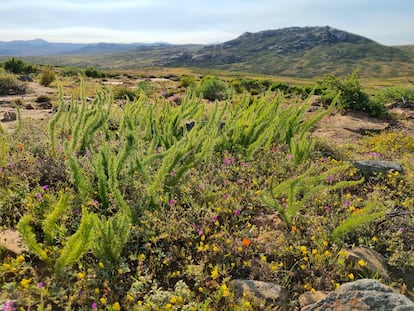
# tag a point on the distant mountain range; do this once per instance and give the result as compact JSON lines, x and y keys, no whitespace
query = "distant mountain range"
{"x":293,"y":51}
{"x":40,"y":47}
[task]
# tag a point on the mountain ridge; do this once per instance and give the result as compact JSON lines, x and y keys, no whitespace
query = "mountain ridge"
{"x":293,"y":51}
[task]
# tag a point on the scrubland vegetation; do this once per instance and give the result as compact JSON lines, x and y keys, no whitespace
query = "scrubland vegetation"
{"x":126,"y":200}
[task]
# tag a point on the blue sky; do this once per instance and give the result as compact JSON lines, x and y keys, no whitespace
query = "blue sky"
{"x":192,"y":21}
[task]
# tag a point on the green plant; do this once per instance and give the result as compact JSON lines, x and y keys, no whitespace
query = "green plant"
{"x":187,"y":81}
{"x":125,"y":93}
{"x":212,"y":88}
{"x":300,"y":189}
{"x":395,"y":94}
{"x":47,"y":77}
{"x":17,"y":66}
{"x":9,"y":85}
{"x":93,"y":73}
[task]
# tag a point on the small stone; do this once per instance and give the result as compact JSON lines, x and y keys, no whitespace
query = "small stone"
{"x":309,"y":298}
{"x":372,"y":167}
{"x":11,"y":240}
{"x":9,"y":116}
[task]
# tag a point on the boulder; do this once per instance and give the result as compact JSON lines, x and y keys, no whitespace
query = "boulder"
{"x":309,"y":298}
{"x":9,"y":116}
{"x":361,"y":295}
{"x":373,"y":167}
{"x":374,"y":260}
{"x":271,"y":294}
{"x":11,"y":240}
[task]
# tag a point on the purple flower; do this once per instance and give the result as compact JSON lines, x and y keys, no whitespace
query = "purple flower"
{"x":325,"y":159}
{"x":94,"y":306}
{"x":237,"y":212}
{"x":172,"y":202}
{"x":327,"y":208}
{"x":1,"y":170}
{"x":215,"y":217}
{"x":245,"y":164}
{"x":45,"y":187}
{"x":401,"y":230}
{"x":227,"y":161}
{"x":40,"y":285}
{"x":87,"y":154}
{"x":200,"y":232}
{"x":330,"y":178}
{"x":39,"y":197}
{"x":347,"y":203}
{"x":8,"y":306}
{"x":76,"y":211}
{"x":290,"y":156}
{"x":173,"y":173}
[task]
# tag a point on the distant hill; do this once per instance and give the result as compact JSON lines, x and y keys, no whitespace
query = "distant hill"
{"x":293,"y":51}
{"x":301,"y":51}
{"x":39,"y":47}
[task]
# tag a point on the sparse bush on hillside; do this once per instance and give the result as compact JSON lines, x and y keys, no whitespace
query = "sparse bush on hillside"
{"x":93,"y":73}
{"x":17,"y":66}
{"x":187,"y":81}
{"x":125,"y":93}
{"x":9,"y":85}
{"x":395,"y":94}
{"x":212,"y":88}
{"x":352,"y":96}
{"x":47,"y":77}
{"x":69,"y":72}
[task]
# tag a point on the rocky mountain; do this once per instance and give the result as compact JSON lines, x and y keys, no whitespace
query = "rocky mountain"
{"x":302,"y":51}
{"x":293,"y":51}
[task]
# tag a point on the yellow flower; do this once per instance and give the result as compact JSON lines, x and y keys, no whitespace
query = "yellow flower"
{"x":102,"y":300}
{"x":25,"y":283}
{"x":80,"y":275}
{"x":6,"y":266}
{"x":351,"y":276}
{"x":215,"y":248}
{"x":96,"y":290}
{"x":116,"y":306}
{"x":129,"y":298}
{"x":168,"y":306}
{"x":101,"y":265}
{"x":374,"y":239}
{"x":20,"y":258}
{"x":215,"y":274}
{"x":304,"y":250}
{"x":120,"y":271}
{"x":362,"y":263}
{"x":263,"y":258}
{"x":173,"y":300}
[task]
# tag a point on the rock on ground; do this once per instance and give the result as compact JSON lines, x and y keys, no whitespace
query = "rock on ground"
{"x":363,"y":295}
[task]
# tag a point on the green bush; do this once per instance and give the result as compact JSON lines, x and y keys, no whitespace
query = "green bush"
{"x":187,"y":81}
{"x":47,"y":77}
{"x":9,"y":85}
{"x":17,"y":66}
{"x":352,"y":96}
{"x":125,"y":93}
{"x":212,"y":88}
{"x":93,"y":73}
{"x":395,"y":94}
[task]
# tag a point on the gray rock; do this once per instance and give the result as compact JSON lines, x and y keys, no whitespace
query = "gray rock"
{"x":11,"y":240}
{"x":372,"y":167}
{"x":363,"y":295}
{"x":375,"y":262}
{"x":273,"y":295}
{"x":9,"y":116}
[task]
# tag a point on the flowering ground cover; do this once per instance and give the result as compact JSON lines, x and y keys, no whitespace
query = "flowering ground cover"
{"x":124,"y":207}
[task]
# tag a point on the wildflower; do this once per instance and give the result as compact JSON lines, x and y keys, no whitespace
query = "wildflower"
{"x":347,"y":203}
{"x":362,"y":263}
{"x":173,"y":173}
{"x":39,"y":197}
{"x":215,"y":218}
{"x":225,"y":290}
{"x":120,"y":271}
{"x":94,"y":306}
{"x":227,"y":161}
{"x":173,"y":300}
{"x":25,"y":283}
{"x":330,"y":178}
{"x":374,"y":239}
{"x":237,"y":212}
{"x":20,"y":258}
{"x":116,"y":306}
{"x":40,"y":285}
{"x":80,"y":275}
{"x":45,"y":187}
{"x":351,"y":276}
{"x":171,"y":202}
{"x":8,"y":305}
{"x":100,"y":265}
{"x":102,"y":300}
{"x":246,"y":242}
{"x":215,"y":274}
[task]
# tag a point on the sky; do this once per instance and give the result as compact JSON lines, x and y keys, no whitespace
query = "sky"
{"x":389,"y":22}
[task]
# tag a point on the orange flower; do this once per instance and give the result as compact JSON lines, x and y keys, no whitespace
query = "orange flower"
{"x":20,"y":146}
{"x":246,"y":242}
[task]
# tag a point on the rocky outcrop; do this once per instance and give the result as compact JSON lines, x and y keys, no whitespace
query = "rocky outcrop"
{"x":373,"y":167}
{"x":361,"y":295}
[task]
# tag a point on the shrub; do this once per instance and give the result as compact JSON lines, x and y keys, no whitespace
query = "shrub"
{"x":125,"y":93}
{"x":352,"y":96}
{"x":47,"y":77}
{"x":18,"y":66}
{"x":212,"y":88}
{"x":395,"y":94}
{"x":9,"y":85}
{"x":187,"y":81}
{"x":93,"y":73}
{"x":42,"y":99}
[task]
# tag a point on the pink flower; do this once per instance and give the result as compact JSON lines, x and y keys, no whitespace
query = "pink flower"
{"x":215,"y":217}
{"x":237,"y":212}
{"x":172,"y":202}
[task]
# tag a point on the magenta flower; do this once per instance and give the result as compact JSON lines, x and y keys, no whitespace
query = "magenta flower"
{"x":347,"y":203}
{"x":94,"y":306}
{"x":173,"y":173}
{"x":237,"y":212}
{"x":200,"y":232}
{"x":40,"y":285}
{"x":8,"y":306}
{"x":45,"y":187}
{"x":330,"y":178}
{"x":215,"y":217}
{"x":227,"y":161}
{"x":172,"y":202}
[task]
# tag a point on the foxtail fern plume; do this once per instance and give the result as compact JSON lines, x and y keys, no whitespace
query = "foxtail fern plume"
{"x":29,"y":238}
{"x":300,"y":189}
{"x":49,"y":224}
{"x":371,"y":212}
{"x":111,"y":235}
{"x":79,"y":243}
